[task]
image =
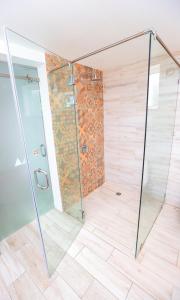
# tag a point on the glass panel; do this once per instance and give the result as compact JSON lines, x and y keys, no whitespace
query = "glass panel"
{"x":30,"y":105}
{"x":111,"y":92}
{"x":18,"y":224}
{"x":61,"y":89}
{"x":42,"y":93}
{"x":161,"y":110}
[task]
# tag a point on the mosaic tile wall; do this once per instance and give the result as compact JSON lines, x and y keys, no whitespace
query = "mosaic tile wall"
{"x":65,"y":134}
{"x":89,"y":95}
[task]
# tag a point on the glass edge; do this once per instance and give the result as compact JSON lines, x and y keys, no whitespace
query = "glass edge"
{"x":144,"y":146}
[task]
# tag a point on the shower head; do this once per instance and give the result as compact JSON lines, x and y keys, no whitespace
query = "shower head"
{"x":94,"y":76}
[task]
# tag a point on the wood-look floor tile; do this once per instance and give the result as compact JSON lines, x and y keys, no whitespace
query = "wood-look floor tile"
{"x":136,"y":293}
{"x":176,"y":294}
{"x":31,"y":231}
{"x":24,"y":289}
{"x":166,"y":237}
{"x":113,"y":280}
{"x":162,"y":268}
{"x":34,"y":264}
{"x":93,"y":271}
{"x":60,"y":290}
{"x":94,"y":243}
{"x":75,"y":275}
{"x":160,"y":249}
{"x":63,"y":220}
{"x":152,"y":283}
{"x":106,"y":237}
{"x":4,"y":295}
{"x":17,"y":240}
{"x":10,"y":267}
{"x":75,"y":248}
{"x":98,"y":292}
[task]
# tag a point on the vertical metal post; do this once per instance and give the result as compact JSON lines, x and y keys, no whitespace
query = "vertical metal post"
{"x":145,"y":133}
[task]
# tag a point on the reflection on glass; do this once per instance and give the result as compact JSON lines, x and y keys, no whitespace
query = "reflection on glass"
{"x":163,"y":85}
{"x":62,"y":99}
{"x":16,"y":201}
{"x":44,"y":95}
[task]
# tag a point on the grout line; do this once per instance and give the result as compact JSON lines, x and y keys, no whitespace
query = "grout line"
{"x":117,"y":270}
{"x":30,"y":278}
{"x":145,"y":291}
{"x":172,"y":205}
{"x":134,"y":280}
{"x":107,"y":259}
{"x":90,"y":285}
{"x":115,"y":248}
{"x":79,"y":251}
{"x":70,"y":287}
{"x":95,"y":279}
{"x":163,"y":242}
{"x":129,"y":290}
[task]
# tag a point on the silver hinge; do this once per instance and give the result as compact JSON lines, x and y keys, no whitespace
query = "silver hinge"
{"x":83,"y":214}
{"x":71,"y":80}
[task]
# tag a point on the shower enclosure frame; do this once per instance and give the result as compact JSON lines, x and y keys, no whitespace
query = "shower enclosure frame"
{"x":19,"y":117}
{"x":45,"y":97}
{"x":152,"y":34}
{"x":20,"y":123}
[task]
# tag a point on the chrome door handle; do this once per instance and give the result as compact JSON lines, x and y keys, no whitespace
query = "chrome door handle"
{"x":43,"y":150}
{"x":40,"y":171}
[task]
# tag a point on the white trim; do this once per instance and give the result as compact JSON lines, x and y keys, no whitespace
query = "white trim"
{"x":36,"y":58}
{"x":46,"y":111}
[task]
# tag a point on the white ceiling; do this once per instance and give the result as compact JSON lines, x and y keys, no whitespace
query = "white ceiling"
{"x":72,"y":28}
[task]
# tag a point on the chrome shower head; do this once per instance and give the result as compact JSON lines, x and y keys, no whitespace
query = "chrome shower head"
{"x":95,"y":77}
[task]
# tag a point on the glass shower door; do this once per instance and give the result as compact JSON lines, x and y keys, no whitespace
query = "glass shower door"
{"x":59,"y":226}
{"x":16,"y":195}
{"x":161,"y":112}
{"x":30,"y":105}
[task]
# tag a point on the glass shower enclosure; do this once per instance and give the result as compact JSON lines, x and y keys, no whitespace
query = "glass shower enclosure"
{"x":40,"y":196}
{"x":151,"y":91}
{"x":162,"y":93}
{"x":35,"y":193}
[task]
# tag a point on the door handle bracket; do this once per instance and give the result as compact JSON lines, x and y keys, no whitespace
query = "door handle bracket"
{"x":40,"y":171}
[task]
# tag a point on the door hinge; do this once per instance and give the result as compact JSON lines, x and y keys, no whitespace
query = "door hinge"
{"x":83,"y":214}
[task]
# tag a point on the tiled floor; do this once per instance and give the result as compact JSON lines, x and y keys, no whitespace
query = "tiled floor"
{"x":99,"y":265}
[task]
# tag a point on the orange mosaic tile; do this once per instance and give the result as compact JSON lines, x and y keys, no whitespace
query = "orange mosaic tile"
{"x":89,"y":104}
{"x":89,"y":97}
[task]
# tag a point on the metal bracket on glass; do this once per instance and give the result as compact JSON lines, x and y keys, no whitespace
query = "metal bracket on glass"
{"x":83,"y":214}
{"x":154,"y":33}
{"x":40,"y":171}
{"x":71,"y":80}
{"x":43,"y":150}
{"x":84,"y":149}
